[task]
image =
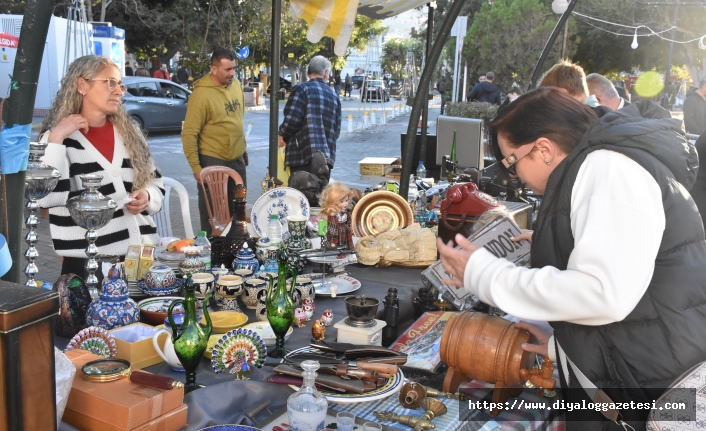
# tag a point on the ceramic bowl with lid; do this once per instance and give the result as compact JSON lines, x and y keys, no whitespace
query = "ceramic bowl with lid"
{"x":160,"y":277}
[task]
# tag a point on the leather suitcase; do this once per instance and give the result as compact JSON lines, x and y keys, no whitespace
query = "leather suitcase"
{"x":28,"y":392}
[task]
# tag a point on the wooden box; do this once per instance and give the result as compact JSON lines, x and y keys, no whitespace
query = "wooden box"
{"x":170,"y":421}
{"x":122,"y":404}
{"x":27,"y":357}
{"x":378,"y":166}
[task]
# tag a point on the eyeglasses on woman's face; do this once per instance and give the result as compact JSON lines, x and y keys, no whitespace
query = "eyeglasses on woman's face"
{"x":510,"y":161}
{"x":112,"y":84}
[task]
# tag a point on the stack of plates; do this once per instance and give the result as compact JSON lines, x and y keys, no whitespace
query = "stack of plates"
{"x":379,"y":212}
{"x":169,"y":258}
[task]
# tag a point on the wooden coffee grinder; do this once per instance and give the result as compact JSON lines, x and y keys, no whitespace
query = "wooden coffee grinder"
{"x":489,"y":348}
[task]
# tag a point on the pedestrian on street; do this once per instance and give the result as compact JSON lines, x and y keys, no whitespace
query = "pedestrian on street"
{"x":349,"y":85}
{"x":163,"y":73}
{"x":442,"y":86}
{"x":128,"y":69}
{"x":312,"y":119}
{"x":90,"y":132}
{"x":605,"y":91}
{"x":338,"y":84}
{"x":213,"y":133}
{"x":695,"y":110}
{"x":486,"y":91}
{"x":572,"y":78}
{"x":141,"y":71}
{"x":183,"y":75}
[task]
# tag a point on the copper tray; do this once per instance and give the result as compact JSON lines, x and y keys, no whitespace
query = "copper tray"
{"x":379,"y":212}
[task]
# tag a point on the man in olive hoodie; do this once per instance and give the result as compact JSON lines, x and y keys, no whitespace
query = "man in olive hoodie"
{"x":213,"y":133}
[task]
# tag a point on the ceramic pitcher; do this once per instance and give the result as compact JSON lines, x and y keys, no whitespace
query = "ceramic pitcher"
{"x":168,"y":354}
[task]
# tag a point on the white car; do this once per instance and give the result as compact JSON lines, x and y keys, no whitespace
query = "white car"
{"x":288,"y":77}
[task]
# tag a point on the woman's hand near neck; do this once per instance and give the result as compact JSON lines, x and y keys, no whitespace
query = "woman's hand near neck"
{"x":95,"y":118}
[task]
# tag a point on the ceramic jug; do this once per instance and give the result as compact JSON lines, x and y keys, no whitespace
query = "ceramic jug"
{"x":280,"y":305}
{"x":168,"y":354}
{"x":190,"y":343}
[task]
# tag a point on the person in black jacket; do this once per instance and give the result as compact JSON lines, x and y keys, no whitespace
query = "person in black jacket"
{"x":486,"y":91}
{"x":698,"y":191}
{"x":695,"y":110}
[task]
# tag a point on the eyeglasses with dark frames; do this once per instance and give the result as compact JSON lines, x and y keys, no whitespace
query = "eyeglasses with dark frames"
{"x":510,"y":161}
{"x":112,"y":83}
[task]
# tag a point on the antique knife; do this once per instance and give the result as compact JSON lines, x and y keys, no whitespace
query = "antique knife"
{"x":354,"y":351}
{"x":362,"y":364}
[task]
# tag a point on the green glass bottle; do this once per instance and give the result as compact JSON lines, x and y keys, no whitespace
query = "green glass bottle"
{"x":279,"y":304}
{"x":453,"y":149}
{"x":190,"y":343}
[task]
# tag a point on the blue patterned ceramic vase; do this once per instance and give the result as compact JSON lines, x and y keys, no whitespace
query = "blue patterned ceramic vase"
{"x":113,"y":308}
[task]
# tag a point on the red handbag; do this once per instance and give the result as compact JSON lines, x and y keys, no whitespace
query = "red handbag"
{"x":463,"y":205}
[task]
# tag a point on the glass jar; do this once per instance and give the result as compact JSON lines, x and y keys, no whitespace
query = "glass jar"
{"x":307,"y":408}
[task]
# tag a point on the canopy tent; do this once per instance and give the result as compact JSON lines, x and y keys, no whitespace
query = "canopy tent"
{"x":336,"y":18}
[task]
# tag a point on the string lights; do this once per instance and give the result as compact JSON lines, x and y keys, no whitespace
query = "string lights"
{"x":634,"y":45}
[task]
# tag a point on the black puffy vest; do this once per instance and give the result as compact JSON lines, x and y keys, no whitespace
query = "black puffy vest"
{"x":666,"y":332}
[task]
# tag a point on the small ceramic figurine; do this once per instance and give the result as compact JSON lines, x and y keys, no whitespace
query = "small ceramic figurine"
{"x":299,"y":317}
{"x":308,"y":301}
{"x":308,"y":311}
{"x":327,"y":318}
{"x":318,"y":330}
{"x":334,"y":208}
{"x":238,"y":350}
{"x":222,"y":270}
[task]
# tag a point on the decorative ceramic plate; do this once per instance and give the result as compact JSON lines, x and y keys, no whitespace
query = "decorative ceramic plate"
{"x":379,"y":212}
{"x":343,"y":283}
{"x":284,"y":202}
{"x":230,"y":428}
{"x":159,"y":305}
{"x":265,"y":331}
{"x":226,"y":320}
{"x":160,"y":292}
{"x":169,"y":256}
{"x":391,"y":387}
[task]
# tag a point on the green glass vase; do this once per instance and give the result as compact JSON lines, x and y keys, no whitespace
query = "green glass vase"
{"x":190,"y":342}
{"x":280,"y":305}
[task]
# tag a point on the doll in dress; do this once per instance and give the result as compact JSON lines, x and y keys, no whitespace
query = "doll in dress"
{"x":334,"y":208}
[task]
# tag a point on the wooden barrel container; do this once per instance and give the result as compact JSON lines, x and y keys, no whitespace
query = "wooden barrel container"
{"x":483,"y":347}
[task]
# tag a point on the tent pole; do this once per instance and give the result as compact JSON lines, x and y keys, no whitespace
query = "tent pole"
{"x":274,"y":87}
{"x":421,"y":99}
{"x":425,"y":112}
{"x":550,"y":42}
{"x":18,"y":111}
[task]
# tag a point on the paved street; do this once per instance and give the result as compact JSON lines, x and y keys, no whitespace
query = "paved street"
{"x":351,"y":148}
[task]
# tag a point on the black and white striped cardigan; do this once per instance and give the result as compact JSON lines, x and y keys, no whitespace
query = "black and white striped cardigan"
{"x":77,"y":156}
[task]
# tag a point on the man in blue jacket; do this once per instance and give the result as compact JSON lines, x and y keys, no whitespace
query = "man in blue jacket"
{"x":486,"y":91}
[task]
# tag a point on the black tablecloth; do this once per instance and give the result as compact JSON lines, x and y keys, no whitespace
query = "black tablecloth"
{"x":225,"y":400}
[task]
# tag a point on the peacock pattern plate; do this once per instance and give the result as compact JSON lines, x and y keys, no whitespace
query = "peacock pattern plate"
{"x":284,"y":202}
{"x":230,"y":428}
{"x":391,"y":387}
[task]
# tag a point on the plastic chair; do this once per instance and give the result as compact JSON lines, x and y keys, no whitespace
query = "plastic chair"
{"x":163,"y":220}
{"x":214,"y":184}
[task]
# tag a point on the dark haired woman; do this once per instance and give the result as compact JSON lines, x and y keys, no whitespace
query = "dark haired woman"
{"x":618,"y":251}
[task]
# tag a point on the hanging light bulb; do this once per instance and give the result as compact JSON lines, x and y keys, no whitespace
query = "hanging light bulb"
{"x":634,"y":40}
{"x":559,"y":6}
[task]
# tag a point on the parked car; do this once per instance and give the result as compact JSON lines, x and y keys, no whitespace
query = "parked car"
{"x":357,"y":81}
{"x":155,"y":104}
{"x":374,"y":90}
{"x":288,"y":77}
{"x":283,"y":83}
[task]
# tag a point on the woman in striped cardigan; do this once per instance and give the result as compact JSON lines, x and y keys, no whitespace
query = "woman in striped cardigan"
{"x":90,"y":132}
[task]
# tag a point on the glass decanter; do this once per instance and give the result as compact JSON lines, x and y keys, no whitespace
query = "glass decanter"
{"x":307,"y":408}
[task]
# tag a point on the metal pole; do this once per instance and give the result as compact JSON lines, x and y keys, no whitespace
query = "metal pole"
{"x":566,"y":33}
{"x":425,"y":111}
{"x":434,"y":54}
{"x":274,"y":87}
{"x":667,"y":73}
{"x":18,"y":110}
{"x":550,"y":42}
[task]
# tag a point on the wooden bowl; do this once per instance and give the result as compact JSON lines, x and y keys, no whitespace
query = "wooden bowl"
{"x":224,"y":321}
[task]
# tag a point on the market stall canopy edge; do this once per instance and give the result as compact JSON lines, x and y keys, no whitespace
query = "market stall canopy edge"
{"x":336,"y":18}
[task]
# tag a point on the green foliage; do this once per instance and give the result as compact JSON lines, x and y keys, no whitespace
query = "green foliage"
{"x":482,"y":110}
{"x":394,"y":55}
{"x":507,"y":38}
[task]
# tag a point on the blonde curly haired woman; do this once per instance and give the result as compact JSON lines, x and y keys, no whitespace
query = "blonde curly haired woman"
{"x":90,"y":132}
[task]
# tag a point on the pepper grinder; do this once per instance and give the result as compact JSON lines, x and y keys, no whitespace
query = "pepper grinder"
{"x":391,"y":315}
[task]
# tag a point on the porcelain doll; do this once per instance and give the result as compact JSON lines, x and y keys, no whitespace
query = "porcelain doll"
{"x":334,"y":207}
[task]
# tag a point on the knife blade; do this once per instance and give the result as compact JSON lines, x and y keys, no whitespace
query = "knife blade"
{"x":364,"y":365}
{"x":354,"y":350}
